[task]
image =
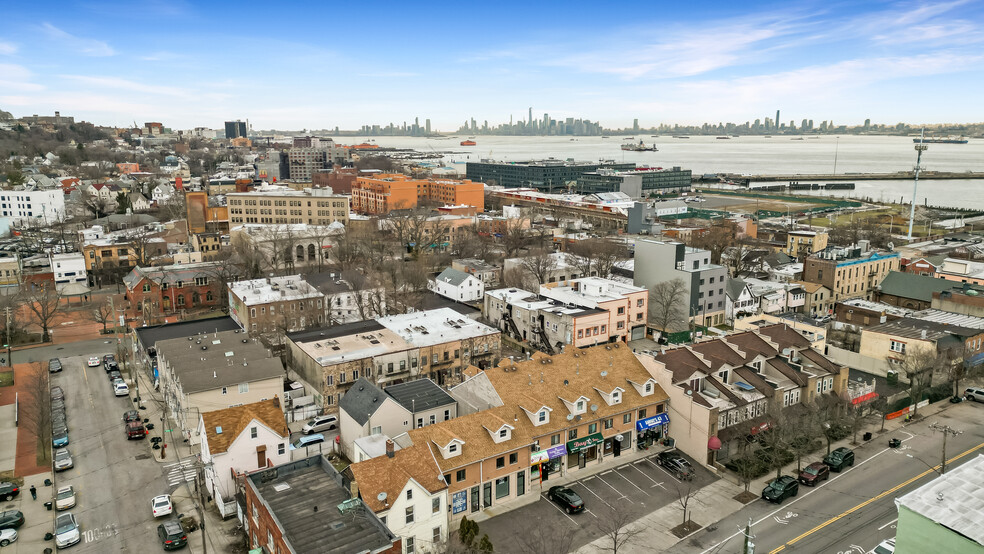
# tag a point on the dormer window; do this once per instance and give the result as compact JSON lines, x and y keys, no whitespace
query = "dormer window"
{"x":452,"y":448}
{"x":580,"y":406}
{"x":503,"y":433}
{"x":616,"y":397}
{"x":542,"y":416}
{"x":649,"y":388}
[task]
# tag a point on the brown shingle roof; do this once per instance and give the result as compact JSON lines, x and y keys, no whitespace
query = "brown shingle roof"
{"x":819,"y":360}
{"x":681,"y":362}
{"x":390,"y":475}
{"x":718,"y":353}
{"x":752,"y":345}
{"x":234,"y":420}
{"x":785,"y":336}
{"x":780,"y":365}
{"x":754,"y":380}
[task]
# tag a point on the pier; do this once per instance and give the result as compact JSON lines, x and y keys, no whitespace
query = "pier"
{"x":898,"y":175}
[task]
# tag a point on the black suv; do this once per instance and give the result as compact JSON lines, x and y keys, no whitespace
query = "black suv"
{"x":780,"y":489}
{"x":676,"y":464}
{"x":567,"y":498}
{"x":54,"y":365}
{"x":839,"y":459}
{"x":8,"y":491}
{"x":172,"y":535}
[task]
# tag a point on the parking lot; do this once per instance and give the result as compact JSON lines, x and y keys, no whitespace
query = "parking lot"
{"x":114,"y":478}
{"x":635,"y":489}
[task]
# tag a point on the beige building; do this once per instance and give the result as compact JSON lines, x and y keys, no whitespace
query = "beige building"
{"x":802,"y":243}
{"x":274,"y":306}
{"x":10,"y":271}
{"x":273,"y":205}
{"x":850,"y":272}
{"x":215,"y":371}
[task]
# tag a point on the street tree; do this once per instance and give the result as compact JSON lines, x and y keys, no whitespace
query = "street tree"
{"x":103,"y":313}
{"x":538,"y":263}
{"x":36,"y":406}
{"x":918,"y":367}
{"x":535,"y":538}
{"x":685,"y":493}
{"x":515,"y":236}
{"x":667,"y":305}
{"x":44,"y":303}
{"x":615,"y":530}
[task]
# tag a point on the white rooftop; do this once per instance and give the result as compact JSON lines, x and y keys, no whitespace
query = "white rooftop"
{"x":529,"y":301}
{"x":955,"y":500}
{"x":430,"y":327}
{"x":950,"y":318}
{"x":273,"y":289}
{"x":877,"y":307}
{"x":590,"y":291}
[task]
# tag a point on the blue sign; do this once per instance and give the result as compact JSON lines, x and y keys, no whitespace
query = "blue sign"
{"x":655,"y":421}
{"x":459,"y":502}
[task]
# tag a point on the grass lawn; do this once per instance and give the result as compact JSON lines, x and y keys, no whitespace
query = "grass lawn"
{"x":9,"y":477}
{"x":6,"y":378}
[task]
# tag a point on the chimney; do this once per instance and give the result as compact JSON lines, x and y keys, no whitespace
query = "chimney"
{"x":354,"y":489}
{"x":390,"y":449}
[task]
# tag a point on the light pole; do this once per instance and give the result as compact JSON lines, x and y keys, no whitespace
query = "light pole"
{"x":921,"y":147}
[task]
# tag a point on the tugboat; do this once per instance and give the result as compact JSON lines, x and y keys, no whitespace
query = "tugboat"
{"x":468,"y":143}
{"x":641,"y":147}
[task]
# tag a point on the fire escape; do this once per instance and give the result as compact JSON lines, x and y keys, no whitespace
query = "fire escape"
{"x":541,"y":331}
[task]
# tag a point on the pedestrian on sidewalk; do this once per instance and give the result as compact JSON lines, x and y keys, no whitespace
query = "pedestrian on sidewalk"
{"x":34,"y":493}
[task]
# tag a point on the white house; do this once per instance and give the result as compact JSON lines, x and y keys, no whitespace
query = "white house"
{"x":68,"y":268}
{"x":406,"y":491}
{"x":458,"y":286}
{"x":138,"y":202}
{"x":38,"y":206}
{"x":162,"y":193}
{"x":240,"y":440}
{"x":366,"y":410}
{"x":741,"y":301}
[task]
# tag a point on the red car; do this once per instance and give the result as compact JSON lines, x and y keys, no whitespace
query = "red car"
{"x":814,"y":473}
{"x":135,"y":430}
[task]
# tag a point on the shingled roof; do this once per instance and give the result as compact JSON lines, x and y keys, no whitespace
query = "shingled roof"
{"x":233,"y":421}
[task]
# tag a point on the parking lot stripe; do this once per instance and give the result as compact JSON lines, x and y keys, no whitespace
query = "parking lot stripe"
{"x":630,"y":482}
{"x":663,"y":469}
{"x":590,"y":512}
{"x":613,"y":488}
{"x":657,"y":483}
{"x":596,"y":495}
{"x":558,"y":507}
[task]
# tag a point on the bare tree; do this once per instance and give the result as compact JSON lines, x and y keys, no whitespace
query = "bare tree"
{"x":44,"y":303}
{"x":535,"y":538}
{"x":36,"y":407}
{"x":103,"y":314}
{"x":608,"y":256}
{"x":515,"y":236}
{"x":803,"y":434}
{"x":614,"y":526}
{"x":738,"y":258}
{"x":667,"y":305}
{"x":685,"y":493}
{"x":918,"y":366}
{"x":539,"y":263}
{"x":99,"y":206}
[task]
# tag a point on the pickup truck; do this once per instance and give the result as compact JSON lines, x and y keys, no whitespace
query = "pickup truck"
{"x":135,"y":430}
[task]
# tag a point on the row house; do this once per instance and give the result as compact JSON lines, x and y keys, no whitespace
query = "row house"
{"x":273,"y":306}
{"x":627,"y":305}
{"x":544,"y":323}
{"x":850,"y":272}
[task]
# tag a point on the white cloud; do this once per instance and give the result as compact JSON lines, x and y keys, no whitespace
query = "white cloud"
{"x":117,"y":84}
{"x":7,"y":48}
{"x":86,"y":46}
{"x":17,"y":78}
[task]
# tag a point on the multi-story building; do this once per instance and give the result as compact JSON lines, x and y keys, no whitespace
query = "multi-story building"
{"x":280,"y":205}
{"x":644,"y":217}
{"x":703,"y":298}
{"x":487,"y":273}
{"x":557,"y":269}
{"x":312,"y":154}
{"x":546,"y":324}
{"x":235,"y":129}
{"x":154,"y":292}
{"x":437,"y":344}
{"x":457,"y":285}
{"x":627,"y":305}
{"x":381,"y":194}
{"x":544,"y":175}
{"x":42,"y":207}
{"x":961,"y":271}
{"x":348,"y":302}
{"x":637,"y":182}
{"x":801,"y":243}
{"x":206,"y":213}
{"x":850,"y":272}
{"x":273,"y":306}
{"x":122,"y":250}
{"x":10,"y":270}
{"x":286,"y":247}
{"x":68,"y":269}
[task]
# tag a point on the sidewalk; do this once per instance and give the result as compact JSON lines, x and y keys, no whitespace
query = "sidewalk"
{"x":25,"y":459}
{"x":37,"y":519}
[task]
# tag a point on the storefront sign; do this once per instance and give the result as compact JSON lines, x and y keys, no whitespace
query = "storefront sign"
{"x":578,"y":445}
{"x":459,"y":502}
{"x":548,"y":454}
{"x":655,"y":421}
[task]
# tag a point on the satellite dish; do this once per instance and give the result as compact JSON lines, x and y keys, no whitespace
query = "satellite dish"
{"x":604,"y":374}
{"x":690,"y":393}
{"x":578,"y":418}
{"x":594,"y":407}
{"x":619,"y":438}
{"x":381,"y":497}
{"x":891,"y":246}
{"x":570,"y":417}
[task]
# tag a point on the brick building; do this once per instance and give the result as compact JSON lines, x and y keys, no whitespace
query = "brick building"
{"x":850,"y":272}
{"x":383,"y":193}
{"x":153,"y":292}
{"x":276,"y":305}
{"x":281,"y":205}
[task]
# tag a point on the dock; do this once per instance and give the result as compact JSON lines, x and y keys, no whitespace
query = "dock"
{"x":898,"y":175}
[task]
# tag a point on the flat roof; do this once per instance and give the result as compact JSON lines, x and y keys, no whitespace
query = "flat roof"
{"x":273,"y":289}
{"x":954,"y":500}
{"x":150,"y":336}
{"x":304,"y":498}
{"x":419,"y":395}
{"x":216,"y":360}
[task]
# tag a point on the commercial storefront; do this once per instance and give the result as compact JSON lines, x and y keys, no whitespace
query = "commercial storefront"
{"x":545,"y":463}
{"x":652,"y":429}
{"x":583,"y":450}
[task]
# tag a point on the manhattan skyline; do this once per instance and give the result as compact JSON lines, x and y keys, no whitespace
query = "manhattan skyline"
{"x":312,"y":67}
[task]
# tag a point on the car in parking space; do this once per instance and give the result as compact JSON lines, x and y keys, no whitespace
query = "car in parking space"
{"x":675,"y":464}
{"x":8,"y":490}
{"x":109,"y":358}
{"x":131,"y":415}
{"x":320,"y":423}
{"x":112,"y":366}
{"x":94,"y":361}
{"x":814,"y":473}
{"x":566,"y":499}
{"x":172,"y":535}
{"x":161,"y":505}
{"x":135,"y":430}
{"x":59,"y":419}
{"x":60,"y":438}
{"x":65,"y":498}
{"x":114,"y":375}
{"x":58,"y":405}
{"x":54,"y":365}
{"x":57,"y":393}
{"x":66,"y":530}
{"x":63,"y":460}
{"x":974,"y":394}
{"x":307,"y":440}
{"x":120,"y":388}
{"x":780,"y":489}
{"x":886,"y":546}
{"x":839,"y":458}
{"x":7,"y":536}
{"x":11,"y":519}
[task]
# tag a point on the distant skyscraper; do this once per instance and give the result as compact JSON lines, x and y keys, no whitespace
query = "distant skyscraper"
{"x":235,"y":129}
{"x":427,"y":124}
{"x":635,"y":125}
{"x":777,"y":119}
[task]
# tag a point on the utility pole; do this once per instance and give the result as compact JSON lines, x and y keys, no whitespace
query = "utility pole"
{"x":10,"y":359}
{"x":748,"y":547}
{"x":200,"y":505}
{"x":947,"y":431}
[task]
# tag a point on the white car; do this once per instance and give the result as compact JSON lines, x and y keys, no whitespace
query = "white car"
{"x":95,"y":361}
{"x":886,"y":546}
{"x":7,"y":536}
{"x":319,"y":424}
{"x":66,"y":530}
{"x":162,"y":505}
{"x":65,"y":498}
{"x":120,"y":388}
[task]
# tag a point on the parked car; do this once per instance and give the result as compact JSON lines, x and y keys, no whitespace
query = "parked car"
{"x":839,"y":459}
{"x":161,"y":505}
{"x":94,"y":361}
{"x":8,"y":490}
{"x":120,"y":388}
{"x":131,"y":415}
{"x":57,"y":393}
{"x":172,"y":535}
{"x":135,"y":430}
{"x":59,"y":420}
{"x":114,"y":375}
{"x":67,"y":530}
{"x":11,"y":519}
{"x":675,"y":464}
{"x":54,"y":365}
{"x":307,"y":440}
{"x":886,"y":546}
{"x":58,"y":405}
{"x":112,"y":366}
{"x":814,"y":473}
{"x":7,"y":536}
{"x":320,"y":423}
{"x":566,"y":498}
{"x":109,"y":358}
{"x":780,"y":489}
{"x":65,"y":498}
{"x":59,"y":439}
{"x":63,"y":460}
{"x":974,"y":394}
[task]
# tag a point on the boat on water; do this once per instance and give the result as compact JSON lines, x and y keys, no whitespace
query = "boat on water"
{"x":641,"y":147}
{"x":606,"y":137}
{"x":941,"y":140}
{"x":681,"y":136}
{"x":724,"y":138}
{"x":468,"y":143}
{"x":797,"y":138}
{"x":628,"y":138}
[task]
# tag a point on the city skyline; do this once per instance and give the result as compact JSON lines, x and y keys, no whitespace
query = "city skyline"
{"x":890,"y":62}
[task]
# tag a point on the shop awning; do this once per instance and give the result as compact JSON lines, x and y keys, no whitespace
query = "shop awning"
{"x":654,"y":421}
{"x":548,"y":454}
{"x":577,"y":445}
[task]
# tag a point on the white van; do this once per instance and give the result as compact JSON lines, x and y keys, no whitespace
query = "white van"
{"x":975,"y":394}
{"x":320,"y":423}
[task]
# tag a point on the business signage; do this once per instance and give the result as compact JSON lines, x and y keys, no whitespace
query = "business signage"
{"x":459,"y":502}
{"x":655,"y":421}
{"x":548,"y":454}
{"x":577,"y":445}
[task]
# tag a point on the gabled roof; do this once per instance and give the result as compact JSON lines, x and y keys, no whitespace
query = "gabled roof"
{"x":391,"y":475}
{"x":233,"y":421}
{"x":910,"y":285}
{"x":780,"y":365}
{"x":362,"y":400}
{"x":752,"y":345}
{"x":734,"y":288}
{"x":785,"y":336}
{"x":755,"y":380}
{"x":453,"y":277}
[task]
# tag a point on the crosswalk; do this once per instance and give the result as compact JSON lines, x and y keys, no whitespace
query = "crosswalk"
{"x":180,"y":472}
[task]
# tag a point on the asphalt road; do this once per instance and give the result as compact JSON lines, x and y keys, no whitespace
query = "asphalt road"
{"x":855,"y":510}
{"x":636,"y":488}
{"x":114,"y":478}
{"x":81,"y":348}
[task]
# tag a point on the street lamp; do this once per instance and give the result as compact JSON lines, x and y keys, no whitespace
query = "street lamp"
{"x":921,"y":147}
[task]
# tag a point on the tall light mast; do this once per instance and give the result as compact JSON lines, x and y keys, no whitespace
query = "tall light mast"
{"x":921,"y":147}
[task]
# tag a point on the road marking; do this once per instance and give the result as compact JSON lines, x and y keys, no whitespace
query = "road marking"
{"x":887,"y":524}
{"x":630,"y":482}
{"x":646,"y":475}
{"x":599,"y":498}
{"x":612,"y":487}
{"x":873,"y":499}
{"x":590,"y":512}
{"x":561,"y":511}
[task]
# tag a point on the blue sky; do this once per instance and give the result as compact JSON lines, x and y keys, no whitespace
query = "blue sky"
{"x":295,"y":65}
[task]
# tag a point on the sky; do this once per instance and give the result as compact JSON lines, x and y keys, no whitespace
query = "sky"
{"x":315,"y":65}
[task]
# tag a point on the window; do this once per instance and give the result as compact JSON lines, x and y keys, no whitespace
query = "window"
{"x":592,"y":428}
{"x":436,"y":507}
{"x":609,"y":423}
{"x":409,"y":494}
{"x":225,"y":390}
{"x":146,"y":287}
{"x":555,"y":439}
{"x":501,"y":487}
{"x":252,"y":312}
{"x":639,"y":303}
{"x":621,"y":310}
{"x":500,"y":462}
{"x":341,"y":377}
{"x":243,"y":388}
{"x":571,"y":434}
{"x":642,"y":414}
{"x":460,"y":474}
{"x":649,"y":388}
{"x":503,"y":432}
{"x":513,"y":458}
{"x":437,"y":533}
{"x":330,"y":381}
{"x":897,"y":346}
{"x":542,"y":416}
{"x":580,"y":405}
{"x":627,"y":418}
{"x":409,"y":517}
{"x":616,"y":397}
{"x":252,"y":432}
